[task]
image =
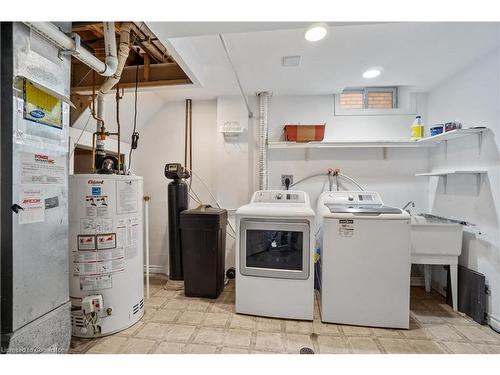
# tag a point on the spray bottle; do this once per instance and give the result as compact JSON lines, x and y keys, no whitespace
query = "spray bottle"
{"x":417,"y":129}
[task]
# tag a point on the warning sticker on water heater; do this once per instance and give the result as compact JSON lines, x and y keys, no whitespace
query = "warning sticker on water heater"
{"x":86,"y":242}
{"x":127,"y":201}
{"x":346,"y":227}
{"x":106,"y":241}
{"x":95,"y":283}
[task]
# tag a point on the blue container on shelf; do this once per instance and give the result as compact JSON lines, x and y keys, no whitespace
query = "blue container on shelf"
{"x":437,"y":129}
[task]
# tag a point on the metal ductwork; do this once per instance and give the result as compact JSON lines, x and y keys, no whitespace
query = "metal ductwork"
{"x":262,"y":167}
{"x":52,"y":33}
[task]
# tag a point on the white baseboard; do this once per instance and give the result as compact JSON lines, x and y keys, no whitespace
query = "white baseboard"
{"x":156,"y":269}
{"x":494,"y":322}
{"x":417,"y":281}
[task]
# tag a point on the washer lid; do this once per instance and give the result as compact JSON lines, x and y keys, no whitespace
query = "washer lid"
{"x":360,"y":209}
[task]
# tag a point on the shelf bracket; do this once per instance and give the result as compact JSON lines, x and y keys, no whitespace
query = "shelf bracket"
{"x":445,"y":149}
{"x":478,"y":183}
{"x":307,"y":155}
{"x":480,"y":142}
{"x":384,"y":153}
{"x":445,"y":183}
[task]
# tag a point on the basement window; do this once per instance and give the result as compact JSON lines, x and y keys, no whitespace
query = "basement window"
{"x":369,"y":97}
{"x":375,"y":101}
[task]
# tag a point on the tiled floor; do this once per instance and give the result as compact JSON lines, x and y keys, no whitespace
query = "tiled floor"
{"x":174,"y":323}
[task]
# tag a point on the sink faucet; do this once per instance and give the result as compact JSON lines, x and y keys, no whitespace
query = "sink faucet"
{"x":410,"y":203}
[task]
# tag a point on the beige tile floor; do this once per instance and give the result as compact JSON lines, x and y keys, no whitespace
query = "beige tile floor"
{"x":174,"y":323}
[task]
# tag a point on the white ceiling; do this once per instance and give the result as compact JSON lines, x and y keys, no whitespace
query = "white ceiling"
{"x":412,"y":54}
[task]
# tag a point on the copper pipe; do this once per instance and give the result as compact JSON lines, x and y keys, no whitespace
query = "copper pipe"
{"x":94,"y":136}
{"x":118,"y":98}
{"x":190,"y":135}
{"x":186,"y":135}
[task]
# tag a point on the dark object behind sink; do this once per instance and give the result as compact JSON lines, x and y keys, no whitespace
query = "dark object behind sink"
{"x":471,"y":293}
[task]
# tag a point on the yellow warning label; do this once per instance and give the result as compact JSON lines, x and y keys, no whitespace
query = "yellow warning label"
{"x":40,"y":106}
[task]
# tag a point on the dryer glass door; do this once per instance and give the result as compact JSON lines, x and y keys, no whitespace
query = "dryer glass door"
{"x":275,"y":249}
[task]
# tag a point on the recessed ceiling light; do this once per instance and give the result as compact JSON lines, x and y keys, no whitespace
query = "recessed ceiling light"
{"x":372,"y":73}
{"x":290,"y":61}
{"x":315,"y":32}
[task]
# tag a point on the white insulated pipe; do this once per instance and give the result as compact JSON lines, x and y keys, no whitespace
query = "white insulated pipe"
{"x":123,"y":52}
{"x":262,"y":167}
{"x":146,"y":240}
{"x":52,"y":33}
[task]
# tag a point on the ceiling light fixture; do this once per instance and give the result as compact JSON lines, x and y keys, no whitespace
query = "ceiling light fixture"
{"x":372,"y":73}
{"x":316,"y":31}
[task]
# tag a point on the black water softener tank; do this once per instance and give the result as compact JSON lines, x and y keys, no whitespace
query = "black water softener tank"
{"x":177,"y":202}
{"x":204,"y":251}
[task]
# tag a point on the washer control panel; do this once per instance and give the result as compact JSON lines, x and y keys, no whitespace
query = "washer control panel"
{"x":277,"y":196}
{"x":353,"y":198}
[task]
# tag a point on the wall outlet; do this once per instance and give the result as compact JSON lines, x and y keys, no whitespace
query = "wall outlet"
{"x":284,"y":177}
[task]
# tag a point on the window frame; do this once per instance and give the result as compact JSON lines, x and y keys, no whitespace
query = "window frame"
{"x":339,"y":111}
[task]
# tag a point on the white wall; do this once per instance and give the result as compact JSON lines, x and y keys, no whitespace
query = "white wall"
{"x":393,"y":177}
{"x":162,"y":141}
{"x":472,"y":97}
{"x":228,"y":165}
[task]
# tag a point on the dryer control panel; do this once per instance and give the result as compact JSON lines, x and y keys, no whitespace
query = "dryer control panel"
{"x":278,"y":196}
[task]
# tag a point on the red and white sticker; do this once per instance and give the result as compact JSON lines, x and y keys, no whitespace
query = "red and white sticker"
{"x":86,"y":242}
{"x":106,"y":241}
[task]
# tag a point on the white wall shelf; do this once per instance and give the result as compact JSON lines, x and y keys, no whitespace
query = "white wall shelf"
{"x":424,"y":142}
{"x":343,"y":144}
{"x":443,"y":138}
{"x":452,"y":134}
{"x":445,"y":173}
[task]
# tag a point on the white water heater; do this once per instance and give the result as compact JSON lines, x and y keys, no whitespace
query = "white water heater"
{"x":106,"y":253}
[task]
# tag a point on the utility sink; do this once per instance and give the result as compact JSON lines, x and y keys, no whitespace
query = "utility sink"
{"x":433,"y":235}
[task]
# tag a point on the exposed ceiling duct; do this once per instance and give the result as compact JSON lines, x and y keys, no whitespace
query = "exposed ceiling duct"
{"x":66,"y":43}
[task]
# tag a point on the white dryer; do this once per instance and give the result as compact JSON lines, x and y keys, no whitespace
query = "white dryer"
{"x":365,"y":260}
{"x":274,"y":255}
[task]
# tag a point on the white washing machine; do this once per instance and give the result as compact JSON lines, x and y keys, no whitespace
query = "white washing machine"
{"x":274,"y":255}
{"x":365,"y":260}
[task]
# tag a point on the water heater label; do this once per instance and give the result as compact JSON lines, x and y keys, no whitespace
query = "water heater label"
{"x":96,"y":190}
{"x":95,"y":283}
{"x":86,"y":242}
{"x":106,"y":241}
{"x":127,"y":200}
{"x":96,"y":205}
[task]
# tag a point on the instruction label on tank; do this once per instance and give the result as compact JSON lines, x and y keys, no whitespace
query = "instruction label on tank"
{"x":96,"y":205}
{"x":127,"y":199}
{"x":96,"y":225}
{"x":84,"y":268}
{"x":96,"y":283}
{"x":346,"y":227}
{"x":106,"y":241}
{"x":106,"y":255}
{"x":86,"y":242}
{"x":41,"y":168}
